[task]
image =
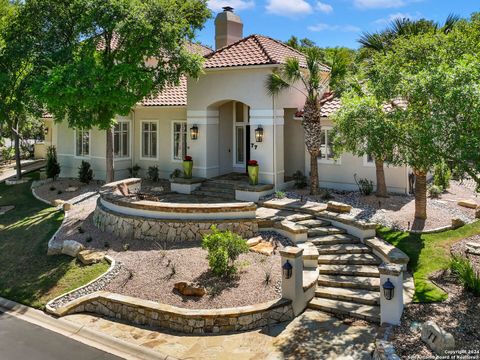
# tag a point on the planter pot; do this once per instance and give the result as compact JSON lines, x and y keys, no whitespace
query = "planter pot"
{"x":187,"y":169}
{"x":253,"y":174}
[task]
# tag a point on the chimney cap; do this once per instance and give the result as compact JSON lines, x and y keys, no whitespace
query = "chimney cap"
{"x":227,"y":8}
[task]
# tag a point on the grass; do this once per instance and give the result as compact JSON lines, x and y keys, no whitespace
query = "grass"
{"x":27,"y":274}
{"x":428,"y":253}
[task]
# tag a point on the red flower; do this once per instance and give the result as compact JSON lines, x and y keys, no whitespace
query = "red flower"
{"x":187,"y":158}
{"x":252,"y":163}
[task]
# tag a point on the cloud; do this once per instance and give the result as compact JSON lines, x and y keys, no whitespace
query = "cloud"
{"x":398,"y":15}
{"x":288,"y":7}
{"x":328,"y":27}
{"x":217,"y":5}
{"x":379,"y":4}
{"x":325,"y":8}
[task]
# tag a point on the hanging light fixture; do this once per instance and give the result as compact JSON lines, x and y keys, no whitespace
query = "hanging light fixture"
{"x":259,"y":134}
{"x":194,"y":132}
{"x":287,"y":270}
{"x":388,"y":289}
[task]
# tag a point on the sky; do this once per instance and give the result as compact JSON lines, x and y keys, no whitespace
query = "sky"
{"x":330,"y":23}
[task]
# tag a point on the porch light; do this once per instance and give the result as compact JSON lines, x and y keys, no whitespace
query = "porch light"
{"x":388,"y":289}
{"x":287,"y":270}
{"x":45,"y":131}
{"x":259,"y":134}
{"x":194,"y":132}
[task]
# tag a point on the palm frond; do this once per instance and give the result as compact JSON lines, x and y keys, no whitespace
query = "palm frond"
{"x":291,"y":70}
{"x":450,"y":22}
{"x":274,"y":84}
{"x":373,"y":41}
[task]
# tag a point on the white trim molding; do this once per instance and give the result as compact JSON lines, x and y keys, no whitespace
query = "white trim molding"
{"x":89,"y":155}
{"x":265,"y":117}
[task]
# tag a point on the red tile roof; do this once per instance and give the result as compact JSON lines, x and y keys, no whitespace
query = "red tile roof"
{"x":171,"y":96}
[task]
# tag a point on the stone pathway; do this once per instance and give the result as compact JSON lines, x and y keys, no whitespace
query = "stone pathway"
{"x":312,"y":335}
{"x":27,"y":166}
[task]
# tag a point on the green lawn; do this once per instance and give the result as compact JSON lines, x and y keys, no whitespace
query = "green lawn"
{"x":428,"y":253}
{"x":27,"y":274}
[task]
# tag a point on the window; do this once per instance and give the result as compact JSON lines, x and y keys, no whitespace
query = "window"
{"x":179,"y":140}
{"x":82,"y":142}
{"x":149,"y":139}
{"x":121,"y":140}
{"x":326,"y":148}
{"x":240,"y":142}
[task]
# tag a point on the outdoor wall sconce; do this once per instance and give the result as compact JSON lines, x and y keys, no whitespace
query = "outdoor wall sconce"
{"x":194,"y":132}
{"x":259,"y":134}
{"x":45,"y":131}
{"x":287,"y":270}
{"x":388,"y":289}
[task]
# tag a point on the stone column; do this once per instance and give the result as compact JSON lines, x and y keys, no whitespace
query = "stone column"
{"x":293,"y":288}
{"x":391,"y":310}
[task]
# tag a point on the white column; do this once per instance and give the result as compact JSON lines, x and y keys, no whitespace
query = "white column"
{"x":293,"y":288}
{"x":204,"y":150}
{"x":391,"y":310}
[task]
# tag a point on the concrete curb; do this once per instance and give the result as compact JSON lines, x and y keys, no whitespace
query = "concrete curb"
{"x":80,"y":333}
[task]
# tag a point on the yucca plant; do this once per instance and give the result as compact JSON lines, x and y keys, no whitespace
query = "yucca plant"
{"x":463,"y":269}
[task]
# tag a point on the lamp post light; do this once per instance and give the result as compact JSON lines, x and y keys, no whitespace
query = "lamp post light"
{"x":388,"y":289}
{"x":287,"y":270}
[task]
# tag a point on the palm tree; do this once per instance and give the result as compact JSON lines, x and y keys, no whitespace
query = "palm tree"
{"x":312,"y":84}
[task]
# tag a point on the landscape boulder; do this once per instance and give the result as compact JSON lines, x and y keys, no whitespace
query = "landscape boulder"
{"x":254,"y":241}
{"x":473,"y":248}
{"x":88,"y":257}
{"x":54,"y":248}
{"x":57,"y":202}
{"x":436,"y":338}
{"x":457,"y":223}
{"x":67,"y":207}
{"x":71,"y":248}
{"x":467,"y":203}
{"x":188,"y":288}
{"x":263,"y":247}
{"x":71,"y":189}
{"x":338,"y":207}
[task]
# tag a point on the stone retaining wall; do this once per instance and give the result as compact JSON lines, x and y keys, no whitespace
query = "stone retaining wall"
{"x":138,"y":227}
{"x":143,"y":312}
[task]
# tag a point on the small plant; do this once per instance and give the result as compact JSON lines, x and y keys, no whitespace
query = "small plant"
{"x":268,"y":277}
{"x":52,"y":168}
{"x":134,"y":170}
{"x":89,"y":239}
{"x":463,"y":269}
{"x":85,"y":173}
{"x":280,"y":195}
{"x":152,"y":173}
{"x":173,"y":270}
{"x":365,"y":186}
{"x":106,"y":244}
{"x":223,"y":247}
{"x":59,"y":192}
{"x":175,"y":173}
{"x":53,"y":188}
{"x":81,"y":230}
{"x":300,"y":180}
{"x":126,"y":247}
{"x":326,"y":195}
{"x":435,"y":191}
{"x":8,"y":153}
{"x":442,"y":176}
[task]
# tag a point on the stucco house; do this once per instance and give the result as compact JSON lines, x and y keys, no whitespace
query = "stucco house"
{"x":225,"y":106}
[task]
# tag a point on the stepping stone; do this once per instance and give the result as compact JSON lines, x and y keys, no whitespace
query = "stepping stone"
{"x":352,"y":270}
{"x":358,"y":296}
{"x":471,"y":204}
{"x":71,"y":189}
{"x":344,"y":249}
{"x":313,"y":223}
{"x":360,"y":311}
{"x":353,"y":282}
{"x":334,"y":239}
{"x":299,"y":217}
{"x":264,"y":248}
{"x":5,"y":209}
{"x":349,"y":259}
{"x":325,"y":230}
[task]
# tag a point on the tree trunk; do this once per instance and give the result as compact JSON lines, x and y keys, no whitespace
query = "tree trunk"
{"x":314,"y":172}
{"x":420,"y":195}
{"x":109,"y":156}
{"x":381,"y":184}
{"x":18,"y":161}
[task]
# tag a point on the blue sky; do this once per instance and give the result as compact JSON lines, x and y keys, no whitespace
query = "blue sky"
{"x":330,"y":22}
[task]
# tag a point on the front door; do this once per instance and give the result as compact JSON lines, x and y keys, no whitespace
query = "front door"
{"x":248,"y":147}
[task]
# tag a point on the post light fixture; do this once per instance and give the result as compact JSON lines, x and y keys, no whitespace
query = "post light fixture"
{"x":388,"y":289}
{"x":259,"y":134}
{"x":287,"y":270}
{"x":194,"y":132}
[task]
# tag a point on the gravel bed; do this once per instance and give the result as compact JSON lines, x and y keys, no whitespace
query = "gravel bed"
{"x":460,"y":248}
{"x":54,"y":190}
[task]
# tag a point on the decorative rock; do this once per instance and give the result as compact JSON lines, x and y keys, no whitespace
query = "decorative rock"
{"x":71,"y":189}
{"x":254,"y":241}
{"x":457,"y":223}
{"x":338,"y":207}
{"x":264,"y":248}
{"x":436,"y":338}
{"x":477,"y":213}
{"x":187,"y":288}
{"x":5,"y":209}
{"x":88,"y":257}
{"x":54,"y":248}
{"x":473,"y":248}
{"x":67,"y":207}
{"x":57,"y":202}
{"x":157,"y":189}
{"x":468,"y":203}
{"x":71,"y":248}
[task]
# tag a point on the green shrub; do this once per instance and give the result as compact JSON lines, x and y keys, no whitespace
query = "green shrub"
{"x":463,"y":269}
{"x":134,"y":170}
{"x":442,"y":176}
{"x":85,"y":173}
{"x":152,"y":173}
{"x":176,"y":173}
{"x":52,"y":168}
{"x":365,"y":186}
{"x":223,"y":247}
{"x":300,"y":180}
{"x":435,"y":191}
{"x":8,"y":153}
{"x":280,"y":194}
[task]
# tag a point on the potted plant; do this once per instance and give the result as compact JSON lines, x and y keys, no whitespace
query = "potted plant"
{"x":253,"y":172}
{"x":187,"y":167}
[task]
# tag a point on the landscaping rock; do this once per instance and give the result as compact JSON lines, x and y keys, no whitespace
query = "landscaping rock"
{"x":477,"y":213}
{"x":457,"y":223}
{"x":88,"y":257}
{"x":187,"y":288}
{"x":254,"y":241}
{"x":157,"y":189}
{"x":54,"y":248}
{"x":71,"y":248}
{"x":57,"y":202}
{"x":436,"y":338}
{"x":468,"y":203}
{"x":67,"y":207}
{"x":71,"y":189}
{"x":338,"y":207}
{"x":264,"y":248}
{"x":5,"y":209}
{"x":473,"y":248}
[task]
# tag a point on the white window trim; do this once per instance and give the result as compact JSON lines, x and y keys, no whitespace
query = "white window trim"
{"x":148,"y":158}
{"x":172,"y":133}
{"x":366,"y":163}
{"x":89,"y":156}
{"x":129,"y":157}
{"x":329,"y":161}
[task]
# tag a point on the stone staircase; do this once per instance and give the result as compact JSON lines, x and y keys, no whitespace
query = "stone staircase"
{"x":220,"y":189}
{"x":349,"y":280}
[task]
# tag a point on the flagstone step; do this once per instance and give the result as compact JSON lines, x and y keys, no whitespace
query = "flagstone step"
{"x":313,"y":223}
{"x":296,"y":217}
{"x":344,"y":249}
{"x":325,"y":230}
{"x":211,"y":188}
{"x":359,"y":296}
{"x":353,"y":282}
{"x":334,"y":239}
{"x":352,"y":270}
{"x":219,"y":184}
{"x":214,"y":194}
{"x":349,"y":259}
{"x":361,"y":311}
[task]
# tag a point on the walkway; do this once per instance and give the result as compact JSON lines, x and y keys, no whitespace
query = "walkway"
{"x":313,"y":335}
{"x":27,"y":166}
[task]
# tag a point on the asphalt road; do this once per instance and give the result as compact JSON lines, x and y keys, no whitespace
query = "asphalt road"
{"x":21,"y":340}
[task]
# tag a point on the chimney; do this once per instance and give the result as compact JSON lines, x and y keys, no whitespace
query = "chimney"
{"x":228,"y":28}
